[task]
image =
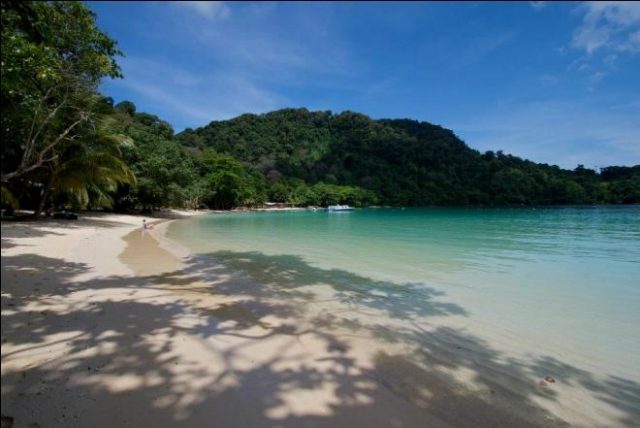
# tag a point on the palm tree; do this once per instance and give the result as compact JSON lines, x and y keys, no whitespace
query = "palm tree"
{"x":95,"y":171}
{"x":90,"y":167}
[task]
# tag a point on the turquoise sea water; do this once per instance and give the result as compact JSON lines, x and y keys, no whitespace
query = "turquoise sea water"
{"x":567,"y":279}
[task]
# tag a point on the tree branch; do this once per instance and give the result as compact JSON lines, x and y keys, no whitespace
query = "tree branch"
{"x":23,"y":169}
{"x":31,"y":138}
{"x":50,"y":116}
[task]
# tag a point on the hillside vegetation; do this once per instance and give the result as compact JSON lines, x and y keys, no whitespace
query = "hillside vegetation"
{"x":396,"y":162}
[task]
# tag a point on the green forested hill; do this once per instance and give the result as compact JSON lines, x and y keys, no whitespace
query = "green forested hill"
{"x":401,"y":162}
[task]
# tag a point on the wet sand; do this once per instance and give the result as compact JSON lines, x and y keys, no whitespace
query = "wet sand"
{"x":103,"y":325}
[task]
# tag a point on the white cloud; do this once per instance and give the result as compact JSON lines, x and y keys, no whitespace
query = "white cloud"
{"x":596,"y":77}
{"x":206,"y":9}
{"x":611,"y":25}
{"x":480,"y":47}
{"x":631,"y":104}
{"x":194,"y":98}
{"x":538,"y":5}
{"x":632,"y":43}
{"x":559,"y":132}
{"x":305,"y":47}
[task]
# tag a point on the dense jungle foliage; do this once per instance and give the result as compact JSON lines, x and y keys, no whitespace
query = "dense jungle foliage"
{"x":396,"y":162}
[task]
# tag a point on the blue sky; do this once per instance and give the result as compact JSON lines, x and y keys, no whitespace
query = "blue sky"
{"x":553,"y":82}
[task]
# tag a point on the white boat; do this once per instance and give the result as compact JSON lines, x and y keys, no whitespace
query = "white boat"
{"x":339,"y":208}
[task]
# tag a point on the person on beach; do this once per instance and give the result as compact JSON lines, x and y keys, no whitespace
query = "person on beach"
{"x":146,"y":226}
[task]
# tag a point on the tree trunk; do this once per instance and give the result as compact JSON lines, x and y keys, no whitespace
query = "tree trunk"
{"x":45,"y":196}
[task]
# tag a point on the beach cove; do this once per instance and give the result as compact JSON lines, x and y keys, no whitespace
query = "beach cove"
{"x":103,"y":325}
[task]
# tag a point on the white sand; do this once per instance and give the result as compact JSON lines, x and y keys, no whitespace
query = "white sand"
{"x":102,"y":326}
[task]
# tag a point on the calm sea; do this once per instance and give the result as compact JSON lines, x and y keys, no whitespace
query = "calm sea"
{"x":556,"y":282}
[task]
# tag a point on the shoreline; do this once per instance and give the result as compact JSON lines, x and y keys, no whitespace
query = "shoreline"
{"x":106,"y":326}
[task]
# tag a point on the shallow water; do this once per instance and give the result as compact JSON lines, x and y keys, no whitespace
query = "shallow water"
{"x":561,"y":283}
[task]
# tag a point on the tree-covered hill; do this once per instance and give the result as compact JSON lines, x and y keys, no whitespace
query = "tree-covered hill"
{"x":401,"y":162}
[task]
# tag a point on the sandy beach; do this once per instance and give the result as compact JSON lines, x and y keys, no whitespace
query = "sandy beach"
{"x":106,"y":326}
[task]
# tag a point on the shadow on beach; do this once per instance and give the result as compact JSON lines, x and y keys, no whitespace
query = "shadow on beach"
{"x":122,"y":361}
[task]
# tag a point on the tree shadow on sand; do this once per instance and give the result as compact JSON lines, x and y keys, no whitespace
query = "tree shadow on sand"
{"x":258,"y":355}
